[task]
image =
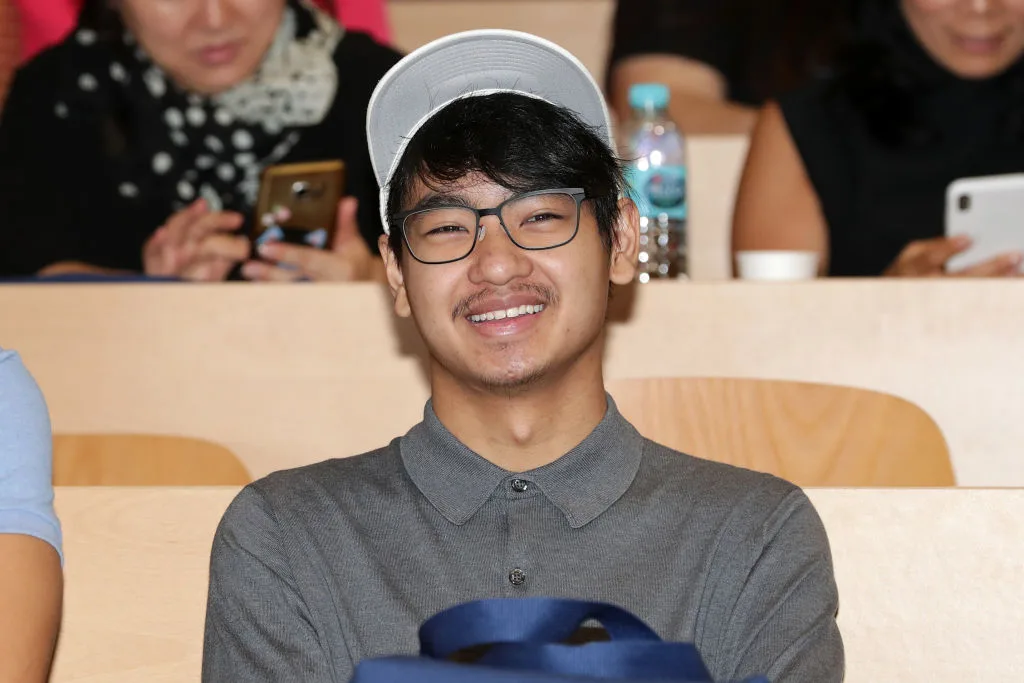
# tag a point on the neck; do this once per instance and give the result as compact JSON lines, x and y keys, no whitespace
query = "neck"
{"x":526,"y":428}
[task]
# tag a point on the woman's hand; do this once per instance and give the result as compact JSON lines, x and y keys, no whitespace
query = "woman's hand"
{"x":927,"y":258}
{"x":348,"y":259}
{"x":196,"y":244}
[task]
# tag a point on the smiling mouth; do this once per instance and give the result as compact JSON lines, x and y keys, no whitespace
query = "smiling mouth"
{"x":981,"y":44}
{"x":503,"y":313}
{"x":218,"y":55}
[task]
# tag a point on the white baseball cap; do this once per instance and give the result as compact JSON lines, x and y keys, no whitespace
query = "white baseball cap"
{"x":470,"y":64}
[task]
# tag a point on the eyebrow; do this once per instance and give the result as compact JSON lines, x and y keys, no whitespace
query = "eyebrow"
{"x":435,"y":201}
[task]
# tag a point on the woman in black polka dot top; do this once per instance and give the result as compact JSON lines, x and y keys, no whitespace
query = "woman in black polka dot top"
{"x":137,"y":144}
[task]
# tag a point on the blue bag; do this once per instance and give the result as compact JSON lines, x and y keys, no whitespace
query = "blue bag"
{"x":524,"y":637}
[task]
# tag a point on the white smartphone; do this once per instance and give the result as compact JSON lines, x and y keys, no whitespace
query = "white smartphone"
{"x":990,"y":210}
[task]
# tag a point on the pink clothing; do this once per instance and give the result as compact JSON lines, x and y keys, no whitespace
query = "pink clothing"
{"x":46,"y":22}
{"x":370,"y":16}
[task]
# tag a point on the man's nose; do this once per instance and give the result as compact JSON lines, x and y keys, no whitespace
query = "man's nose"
{"x":496,"y":259}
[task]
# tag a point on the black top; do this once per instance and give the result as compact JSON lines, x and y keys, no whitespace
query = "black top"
{"x":877,"y":196}
{"x":59,"y":184}
{"x":761,"y":47}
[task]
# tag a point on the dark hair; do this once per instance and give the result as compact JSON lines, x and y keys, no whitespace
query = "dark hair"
{"x":885,"y":76}
{"x":519,"y":142}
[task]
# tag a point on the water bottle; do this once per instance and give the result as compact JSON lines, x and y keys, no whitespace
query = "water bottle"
{"x":657,"y":181}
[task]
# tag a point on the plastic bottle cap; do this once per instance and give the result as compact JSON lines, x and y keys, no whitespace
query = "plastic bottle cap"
{"x":644,"y":95}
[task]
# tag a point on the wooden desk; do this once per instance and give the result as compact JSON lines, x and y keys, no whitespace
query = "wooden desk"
{"x":716,"y":162}
{"x":136,"y":568}
{"x":288,"y":375}
{"x":931,"y":582}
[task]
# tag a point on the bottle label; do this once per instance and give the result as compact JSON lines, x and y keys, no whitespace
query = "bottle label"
{"x":659,"y":190}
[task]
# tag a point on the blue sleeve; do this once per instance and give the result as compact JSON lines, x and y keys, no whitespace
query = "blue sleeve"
{"x":26,"y":456}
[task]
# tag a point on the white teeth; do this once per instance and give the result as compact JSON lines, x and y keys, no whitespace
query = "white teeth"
{"x":513,"y":312}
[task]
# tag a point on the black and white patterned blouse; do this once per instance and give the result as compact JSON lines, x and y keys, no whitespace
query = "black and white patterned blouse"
{"x":98,"y":147}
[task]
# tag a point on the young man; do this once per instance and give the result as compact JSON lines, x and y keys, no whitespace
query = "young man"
{"x":502,"y":196}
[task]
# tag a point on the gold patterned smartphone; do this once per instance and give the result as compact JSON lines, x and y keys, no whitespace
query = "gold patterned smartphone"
{"x":298,"y":203}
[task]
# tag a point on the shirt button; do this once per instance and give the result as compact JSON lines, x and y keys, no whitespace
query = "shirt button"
{"x":520,"y":486}
{"x":517,"y":577}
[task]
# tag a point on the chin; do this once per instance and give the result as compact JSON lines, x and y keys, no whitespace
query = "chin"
{"x":975,"y":68}
{"x":516,"y":376}
{"x":212,"y":88}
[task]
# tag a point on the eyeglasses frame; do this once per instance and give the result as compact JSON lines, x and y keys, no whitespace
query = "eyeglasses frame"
{"x":577,"y":193}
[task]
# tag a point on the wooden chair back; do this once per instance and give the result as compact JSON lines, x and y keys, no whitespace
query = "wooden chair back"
{"x":143,"y":460}
{"x":810,"y":434}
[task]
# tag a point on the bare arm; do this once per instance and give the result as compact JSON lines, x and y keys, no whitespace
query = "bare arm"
{"x":776,"y":206}
{"x":77,"y":268}
{"x":698,"y":105}
{"x":31,"y":589}
{"x":31,"y":583}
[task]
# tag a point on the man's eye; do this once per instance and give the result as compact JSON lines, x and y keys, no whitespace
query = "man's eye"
{"x":543,"y":217}
{"x":446,"y":229}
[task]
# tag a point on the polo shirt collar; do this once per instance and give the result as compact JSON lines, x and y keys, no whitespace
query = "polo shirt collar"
{"x":583,"y":483}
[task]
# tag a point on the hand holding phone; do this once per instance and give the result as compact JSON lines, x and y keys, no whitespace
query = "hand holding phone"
{"x":348,"y":258}
{"x":298,"y":204}
{"x":989,"y":212}
{"x":930,"y":258}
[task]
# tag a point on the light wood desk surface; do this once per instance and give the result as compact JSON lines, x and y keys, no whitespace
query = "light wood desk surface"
{"x":289,"y":375}
{"x":931,"y":582}
{"x":136,"y":568}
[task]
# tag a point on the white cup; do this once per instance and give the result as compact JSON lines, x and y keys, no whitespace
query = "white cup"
{"x":777,"y":266}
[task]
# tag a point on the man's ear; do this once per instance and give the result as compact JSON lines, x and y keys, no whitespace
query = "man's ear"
{"x":396,"y":279}
{"x":626,"y":243}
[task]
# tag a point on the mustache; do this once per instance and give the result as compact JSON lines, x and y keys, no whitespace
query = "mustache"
{"x":547,"y":296}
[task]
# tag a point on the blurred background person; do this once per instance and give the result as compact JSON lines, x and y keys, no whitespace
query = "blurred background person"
{"x":43,"y":23}
{"x":855,"y":167}
{"x":31,"y":582}
{"x":721,"y":59}
{"x":138,"y":142}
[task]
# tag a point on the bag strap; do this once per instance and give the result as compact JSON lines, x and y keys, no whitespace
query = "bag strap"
{"x":523,"y":620}
{"x":623,"y":660}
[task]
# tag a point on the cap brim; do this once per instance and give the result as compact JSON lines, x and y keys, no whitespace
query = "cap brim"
{"x":467,"y":64}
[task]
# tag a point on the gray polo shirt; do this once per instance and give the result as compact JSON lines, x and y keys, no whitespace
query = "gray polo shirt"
{"x":316,"y":568}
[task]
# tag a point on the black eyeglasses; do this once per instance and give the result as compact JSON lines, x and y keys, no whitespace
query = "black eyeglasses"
{"x":534,"y":221}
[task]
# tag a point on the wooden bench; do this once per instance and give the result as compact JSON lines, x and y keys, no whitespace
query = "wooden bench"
{"x":931,"y":582}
